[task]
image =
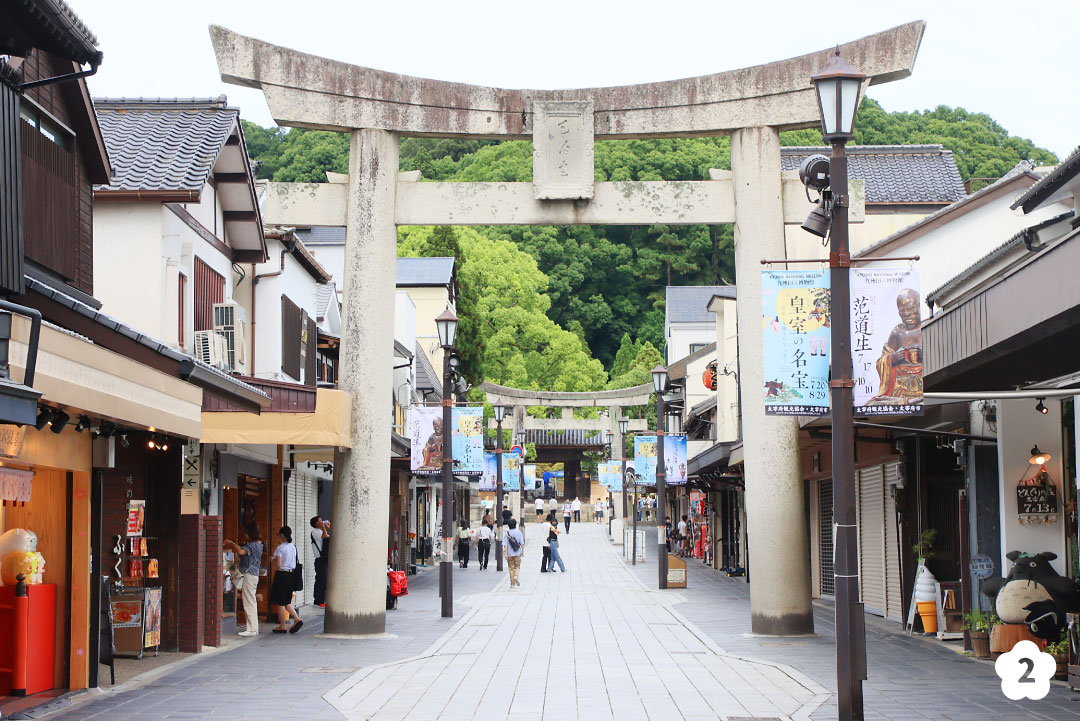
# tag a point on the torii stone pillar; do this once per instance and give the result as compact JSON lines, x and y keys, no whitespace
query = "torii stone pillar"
{"x":751,"y":104}
{"x":356,"y":600}
{"x":775,"y":514}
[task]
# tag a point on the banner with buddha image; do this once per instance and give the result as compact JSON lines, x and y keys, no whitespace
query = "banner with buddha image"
{"x":674,"y":460}
{"x":795,"y":341}
{"x":466,"y":437}
{"x":886,"y":342}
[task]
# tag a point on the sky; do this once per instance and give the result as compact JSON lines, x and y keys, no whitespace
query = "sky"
{"x":999,"y":58}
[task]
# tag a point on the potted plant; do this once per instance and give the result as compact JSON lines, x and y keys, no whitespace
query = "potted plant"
{"x":977,"y":623}
{"x":1060,"y":651}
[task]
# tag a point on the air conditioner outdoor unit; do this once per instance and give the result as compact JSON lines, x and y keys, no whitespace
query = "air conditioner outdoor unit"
{"x":229,"y":323}
{"x":210,"y":348}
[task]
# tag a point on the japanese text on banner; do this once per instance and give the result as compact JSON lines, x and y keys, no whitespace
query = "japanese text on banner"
{"x":795,"y":341}
{"x":886,"y":341}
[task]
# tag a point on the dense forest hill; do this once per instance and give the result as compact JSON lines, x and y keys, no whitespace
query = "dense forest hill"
{"x":604,"y":285}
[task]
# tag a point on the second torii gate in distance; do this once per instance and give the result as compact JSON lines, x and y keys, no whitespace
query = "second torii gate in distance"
{"x":752,"y":105}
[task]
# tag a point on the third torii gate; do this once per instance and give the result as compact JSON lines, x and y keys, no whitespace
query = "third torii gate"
{"x":752,"y":105}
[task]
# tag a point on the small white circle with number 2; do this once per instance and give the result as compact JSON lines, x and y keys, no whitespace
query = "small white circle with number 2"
{"x":1025,"y":672}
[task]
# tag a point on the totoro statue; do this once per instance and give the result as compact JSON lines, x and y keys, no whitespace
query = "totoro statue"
{"x":1034,"y":594}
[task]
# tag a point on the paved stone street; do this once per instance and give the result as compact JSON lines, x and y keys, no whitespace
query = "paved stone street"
{"x":594,"y":643}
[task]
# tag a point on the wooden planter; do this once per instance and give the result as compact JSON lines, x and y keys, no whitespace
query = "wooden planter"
{"x":1006,"y":635}
{"x":1062,"y":672}
{"x":980,"y":643}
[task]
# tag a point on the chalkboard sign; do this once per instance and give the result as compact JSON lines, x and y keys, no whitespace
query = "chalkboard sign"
{"x":1038,"y":500}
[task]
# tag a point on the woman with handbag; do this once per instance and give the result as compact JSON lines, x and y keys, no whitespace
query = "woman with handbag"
{"x":248,"y":563}
{"x":464,"y":535}
{"x":281,"y":592}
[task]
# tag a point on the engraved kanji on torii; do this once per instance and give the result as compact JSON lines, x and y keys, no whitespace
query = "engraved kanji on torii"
{"x":752,"y":105}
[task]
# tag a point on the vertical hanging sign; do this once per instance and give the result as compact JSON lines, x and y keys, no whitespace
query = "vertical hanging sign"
{"x":530,"y":478}
{"x":490,"y":480}
{"x":886,"y":341}
{"x":467,"y":440}
{"x":511,"y":471}
{"x":795,"y":341}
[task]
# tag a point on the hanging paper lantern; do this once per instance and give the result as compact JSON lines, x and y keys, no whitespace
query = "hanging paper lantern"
{"x":709,"y":376}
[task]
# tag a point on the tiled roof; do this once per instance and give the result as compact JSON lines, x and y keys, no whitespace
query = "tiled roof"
{"x":1021,"y":168}
{"x":324,"y":292}
{"x":1059,"y":176}
{"x":895,"y":173}
{"x":424,"y":271}
{"x":321,"y":235}
{"x":165,"y":144}
{"x":689,"y":303}
{"x":50,"y":25}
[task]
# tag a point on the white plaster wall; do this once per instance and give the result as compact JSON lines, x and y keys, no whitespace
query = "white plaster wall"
{"x":727,"y":386}
{"x":429,"y":303}
{"x":208,"y":211}
{"x":404,"y":333}
{"x":681,"y":335}
{"x":299,"y":286}
{"x":1020,"y":428}
{"x":877,"y":224}
{"x":129,"y":265}
{"x":695,"y":389}
{"x":332,"y":259}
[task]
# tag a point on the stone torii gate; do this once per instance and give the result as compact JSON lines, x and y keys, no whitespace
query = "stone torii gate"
{"x":752,"y":105}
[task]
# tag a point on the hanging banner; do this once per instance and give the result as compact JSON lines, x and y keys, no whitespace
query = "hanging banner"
{"x":489,"y":481}
{"x":468,"y":440}
{"x":795,"y":341}
{"x":425,"y":435}
{"x":886,"y":341}
{"x":615,"y":476}
{"x":511,"y":471}
{"x":674,"y":460}
{"x":531,"y":483}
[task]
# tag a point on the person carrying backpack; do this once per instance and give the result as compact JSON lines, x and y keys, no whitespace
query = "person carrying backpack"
{"x":515,"y":548}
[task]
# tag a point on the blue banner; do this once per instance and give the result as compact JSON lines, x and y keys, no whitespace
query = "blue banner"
{"x":674,"y":460}
{"x":468,"y":440}
{"x":511,"y":471}
{"x":795,"y":341}
{"x":531,"y":484}
{"x":489,"y":481}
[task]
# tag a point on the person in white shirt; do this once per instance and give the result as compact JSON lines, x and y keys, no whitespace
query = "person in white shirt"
{"x":320,"y":548}
{"x":575,"y":506}
{"x":539,"y":507}
{"x":483,"y":545}
{"x":567,"y":514}
{"x":598,"y":511}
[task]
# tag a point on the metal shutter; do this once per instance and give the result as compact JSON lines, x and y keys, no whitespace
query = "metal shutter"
{"x":825,"y":538}
{"x":894,"y":591}
{"x":872,"y":539}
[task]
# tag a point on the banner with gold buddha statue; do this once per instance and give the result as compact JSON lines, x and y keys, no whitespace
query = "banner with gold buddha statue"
{"x":886,"y":341}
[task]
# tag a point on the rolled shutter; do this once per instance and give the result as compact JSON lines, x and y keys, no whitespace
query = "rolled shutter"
{"x":872,"y":539}
{"x":894,"y":587}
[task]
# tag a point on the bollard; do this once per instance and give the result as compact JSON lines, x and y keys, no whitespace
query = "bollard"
{"x":20,"y":632}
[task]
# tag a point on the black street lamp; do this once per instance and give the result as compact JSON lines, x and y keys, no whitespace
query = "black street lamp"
{"x":447,"y":324}
{"x":611,"y":456}
{"x":521,"y":482}
{"x":500,"y":414}
{"x":660,"y":380}
{"x":624,"y":423}
{"x":838,"y":87}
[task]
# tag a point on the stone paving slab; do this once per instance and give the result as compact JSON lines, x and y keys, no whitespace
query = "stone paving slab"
{"x":910,"y":677}
{"x":593,"y":643}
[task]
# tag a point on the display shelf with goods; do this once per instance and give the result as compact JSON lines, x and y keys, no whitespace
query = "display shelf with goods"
{"x":136,"y":598}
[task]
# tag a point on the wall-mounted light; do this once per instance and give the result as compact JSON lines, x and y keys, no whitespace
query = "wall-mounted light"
{"x":60,"y":419}
{"x":1038,"y":458}
{"x":1041,"y":407}
{"x":83,"y":424}
{"x":43,"y":417}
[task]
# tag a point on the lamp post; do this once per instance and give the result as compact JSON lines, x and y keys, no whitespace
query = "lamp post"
{"x":624,"y":423}
{"x":611,"y":456}
{"x":500,"y":413}
{"x":447,"y":325}
{"x":838,"y":87}
{"x":521,"y":482}
{"x":660,"y":379}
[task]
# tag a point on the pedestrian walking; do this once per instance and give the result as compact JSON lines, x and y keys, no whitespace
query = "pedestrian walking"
{"x":567,"y":511}
{"x":546,"y":560}
{"x":539,"y":507}
{"x":553,"y":543}
{"x":281,"y":591}
{"x":598,"y":511}
{"x":683,"y":530}
{"x":320,"y":549}
{"x":483,"y":545}
{"x":463,"y":536}
{"x":515,"y":547}
{"x":248,"y":563}
{"x":575,"y":506}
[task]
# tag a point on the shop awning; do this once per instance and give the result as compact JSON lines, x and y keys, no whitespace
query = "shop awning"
{"x":328,"y":426}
